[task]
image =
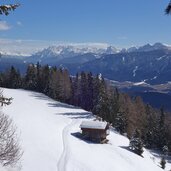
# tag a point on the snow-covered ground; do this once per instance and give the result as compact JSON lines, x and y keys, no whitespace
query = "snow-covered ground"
{"x":48,"y":130}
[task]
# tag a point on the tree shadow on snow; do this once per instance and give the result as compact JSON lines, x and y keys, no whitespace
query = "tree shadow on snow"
{"x":52,"y":103}
{"x":63,"y":105}
{"x":126,"y":148}
{"x":40,"y":96}
{"x":78,"y":115}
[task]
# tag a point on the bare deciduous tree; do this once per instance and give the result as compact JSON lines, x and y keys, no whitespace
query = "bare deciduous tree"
{"x":4,"y":100}
{"x":10,"y":151}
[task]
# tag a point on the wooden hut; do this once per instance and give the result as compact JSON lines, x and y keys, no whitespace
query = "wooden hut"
{"x":95,"y":131}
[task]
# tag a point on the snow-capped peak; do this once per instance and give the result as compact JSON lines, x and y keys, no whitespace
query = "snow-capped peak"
{"x":149,"y":47}
{"x":75,"y":49}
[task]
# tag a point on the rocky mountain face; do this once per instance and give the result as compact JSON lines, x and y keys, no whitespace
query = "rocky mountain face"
{"x":58,"y":53}
{"x":152,"y":67}
{"x":57,"y":56}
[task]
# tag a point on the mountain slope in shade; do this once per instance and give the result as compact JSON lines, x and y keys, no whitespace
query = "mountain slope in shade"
{"x":6,"y":63}
{"x":48,"y":137}
{"x":152,"y":67}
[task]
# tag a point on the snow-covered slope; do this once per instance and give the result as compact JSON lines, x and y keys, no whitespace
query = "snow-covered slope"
{"x":47,"y":131}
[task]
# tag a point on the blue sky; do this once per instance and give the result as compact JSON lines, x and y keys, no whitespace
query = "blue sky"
{"x":122,"y":23}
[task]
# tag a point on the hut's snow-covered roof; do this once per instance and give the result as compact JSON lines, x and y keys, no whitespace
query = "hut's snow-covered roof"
{"x":93,"y":124}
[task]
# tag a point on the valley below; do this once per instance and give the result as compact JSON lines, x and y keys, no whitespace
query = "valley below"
{"x":156,"y":95}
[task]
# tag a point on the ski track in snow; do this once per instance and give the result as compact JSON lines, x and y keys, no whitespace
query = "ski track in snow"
{"x":66,"y":153}
{"x":62,"y":163}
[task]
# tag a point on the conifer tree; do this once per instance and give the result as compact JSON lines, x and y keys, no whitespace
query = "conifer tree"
{"x":39,"y":85}
{"x":128,"y":107}
{"x":165,"y":150}
{"x":136,"y":143}
{"x":65,"y":83}
{"x":161,"y":130}
{"x":45,"y":75}
{"x":150,"y":127}
{"x":84,"y":90}
{"x":30,"y":78}
{"x":140,"y":118}
{"x":96,"y":85}
{"x":120,"y":122}
{"x":89,"y":91}
{"x":15,"y":78}
{"x":75,"y":91}
{"x":102,"y":101}
{"x":114,"y":106}
{"x":55,"y":88}
{"x":163,"y":163}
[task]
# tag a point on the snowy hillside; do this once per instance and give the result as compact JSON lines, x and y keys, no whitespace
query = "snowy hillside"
{"x":47,"y":131}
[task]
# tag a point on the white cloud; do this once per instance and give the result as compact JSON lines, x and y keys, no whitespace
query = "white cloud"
{"x":4,"y":26}
{"x":24,"y":47}
{"x":19,"y":23}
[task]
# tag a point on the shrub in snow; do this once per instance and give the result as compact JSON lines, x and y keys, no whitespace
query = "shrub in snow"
{"x":165,"y":150}
{"x":10,"y":151}
{"x":136,"y":143}
{"x":120,"y":123}
{"x":163,"y":163}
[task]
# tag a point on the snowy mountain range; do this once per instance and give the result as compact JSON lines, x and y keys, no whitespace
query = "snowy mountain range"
{"x":148,"y":47}
{"x":150,"y":63}
{"x":66,"y":51}
{"x":70,"y":50}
